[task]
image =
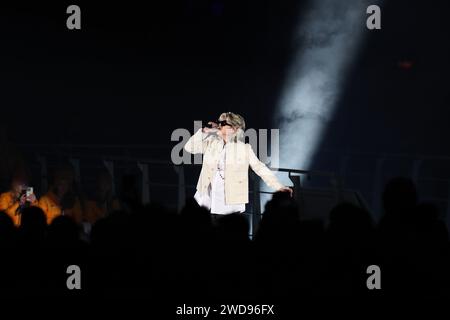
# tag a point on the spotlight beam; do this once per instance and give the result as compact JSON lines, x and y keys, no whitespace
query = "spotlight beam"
{"x":326,"y":42}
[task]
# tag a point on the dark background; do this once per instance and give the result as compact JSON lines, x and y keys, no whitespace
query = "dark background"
{"x":134,"y":73}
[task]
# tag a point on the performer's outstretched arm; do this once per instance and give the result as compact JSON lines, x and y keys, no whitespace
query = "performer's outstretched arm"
{"x":265,"y":173}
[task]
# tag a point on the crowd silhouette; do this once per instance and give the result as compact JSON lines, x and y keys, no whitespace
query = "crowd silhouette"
{"x":149,"y":251}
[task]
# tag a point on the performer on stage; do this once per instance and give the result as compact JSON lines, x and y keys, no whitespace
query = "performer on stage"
{"x":223,"y":183}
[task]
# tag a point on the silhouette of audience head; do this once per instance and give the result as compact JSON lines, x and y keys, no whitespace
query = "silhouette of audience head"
{"x":429,"y":227}
{"x":349,"y":223}
{"x":280,"y":221}
{"x":233,"y":228}
{"x":33,"y":225}
{"x":194,"y":215}
{"x":7,"y":230}
{"x":282,"y":207}
{"x":63,"y":232}
{"x":399,"y":197}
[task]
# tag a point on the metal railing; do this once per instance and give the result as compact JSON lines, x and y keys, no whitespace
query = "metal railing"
{"x":369,"y":180}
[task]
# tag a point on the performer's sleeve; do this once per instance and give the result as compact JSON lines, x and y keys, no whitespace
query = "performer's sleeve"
{"x":198,"y":142}
{"x":261,"y":170}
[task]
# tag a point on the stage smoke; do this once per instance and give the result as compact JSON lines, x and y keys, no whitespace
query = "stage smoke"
{"x":326,"y":43}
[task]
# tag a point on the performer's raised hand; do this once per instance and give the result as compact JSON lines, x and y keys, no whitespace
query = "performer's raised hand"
{"x":211,"y":128}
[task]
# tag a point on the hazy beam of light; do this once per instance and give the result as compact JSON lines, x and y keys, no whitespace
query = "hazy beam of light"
{"x":326,"y":42}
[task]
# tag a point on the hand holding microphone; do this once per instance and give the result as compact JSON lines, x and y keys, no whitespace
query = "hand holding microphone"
{"x":211,"y":127}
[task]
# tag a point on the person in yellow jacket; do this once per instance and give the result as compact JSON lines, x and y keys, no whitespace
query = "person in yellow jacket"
{"x":103,"y":201}
{"x":61,"y":198}
{"x":12,"y":201}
